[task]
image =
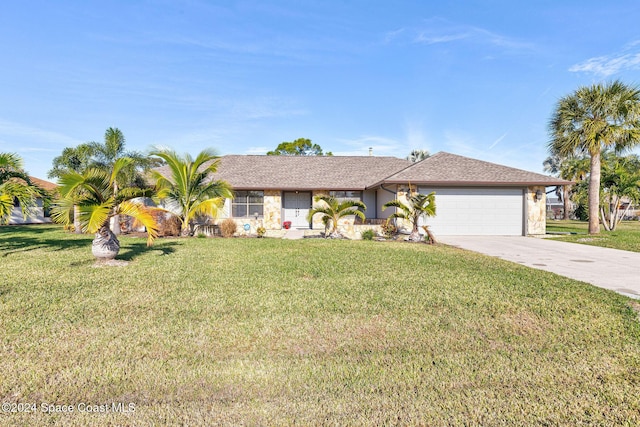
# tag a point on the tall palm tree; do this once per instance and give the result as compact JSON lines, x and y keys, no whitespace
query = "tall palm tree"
{"x":16,"y":185}
{"x":93,"y":193}
{"x":332,"y":209}
{"x":188,"y":189}
{"x":419,"y":205}
{"x":592,"y":119}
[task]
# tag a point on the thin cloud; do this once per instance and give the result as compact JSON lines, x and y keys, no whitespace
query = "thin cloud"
{"x":430,"y":39}
{"x":497,"y":141}
{"x":10,"y":130}
{"x":608,"y":65}
{"x":438,"y":31}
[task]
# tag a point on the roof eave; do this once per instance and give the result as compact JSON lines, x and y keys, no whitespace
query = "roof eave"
{"x":475,"y":183}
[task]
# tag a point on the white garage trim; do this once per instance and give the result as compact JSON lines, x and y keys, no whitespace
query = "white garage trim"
{"x":477,"y":211}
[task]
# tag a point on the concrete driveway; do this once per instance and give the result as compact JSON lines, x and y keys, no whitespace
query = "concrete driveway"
{"x":607,"y":268}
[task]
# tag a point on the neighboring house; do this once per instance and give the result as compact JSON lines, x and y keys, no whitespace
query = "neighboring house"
{"x":473,"y":197}
{"x":38,"y":214}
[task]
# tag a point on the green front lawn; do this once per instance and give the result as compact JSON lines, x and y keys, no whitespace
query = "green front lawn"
{"x":307,"y":332}
{"x":626,"y":236}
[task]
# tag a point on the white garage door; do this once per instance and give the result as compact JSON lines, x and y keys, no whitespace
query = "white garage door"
{"x":477,"y":211}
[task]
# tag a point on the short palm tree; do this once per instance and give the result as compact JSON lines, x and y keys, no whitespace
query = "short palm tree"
{"x":620,"y":181}
{"x":332,"y":209}
{"x":15,"y":185}
{"x":419,"y":205}
{"x":188,"y":190}
{"x":593,"y":119}
{"x":98,"y":200}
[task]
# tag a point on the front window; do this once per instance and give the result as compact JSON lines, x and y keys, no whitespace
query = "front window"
{"x":247,"y":204}
{"x":347,"y":195}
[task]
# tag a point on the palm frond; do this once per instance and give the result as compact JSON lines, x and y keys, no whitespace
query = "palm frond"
{"x":210,"y":207}
{"x":62,"y":211}
{"x":94,"y":216}
{"x":143,"y":215}
{"x":25,"y":194}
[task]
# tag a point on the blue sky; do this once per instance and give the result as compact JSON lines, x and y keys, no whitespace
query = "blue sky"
{"x":475,"y":78}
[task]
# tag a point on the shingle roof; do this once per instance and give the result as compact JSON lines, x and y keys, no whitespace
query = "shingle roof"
{"x":255,"y":172}
{"x":450,"y":169}
{"x":49,"y":186}
{"x":252,"y":172}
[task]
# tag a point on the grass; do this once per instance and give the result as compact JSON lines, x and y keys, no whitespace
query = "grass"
{"x":626,"y":236}
{"x":308,"y":332}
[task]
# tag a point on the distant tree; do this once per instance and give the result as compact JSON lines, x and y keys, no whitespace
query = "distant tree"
{"x":188,"y":189}
{"x":418,"y":155}
{"x":72,"y":159}
{"x":570,"y":168}
{"x":419,"y":205}
{"x":299,"y":147}
{"x":590,"y":120}
{"x":333,"y":209}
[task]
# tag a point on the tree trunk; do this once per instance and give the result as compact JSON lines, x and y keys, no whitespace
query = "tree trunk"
{"x":115,"y":225}
{"x":106,"y":245}
{"x":565,"y":201}
{"x":77,"y":228}
{"x":624,"y":213}
{"x":431,"y":239}
{"x":594,"y":193}
{"x":605,"y":224}
{"x":415,"y":233}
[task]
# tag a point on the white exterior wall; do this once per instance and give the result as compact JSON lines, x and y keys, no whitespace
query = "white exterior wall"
{"x":35,"y":216}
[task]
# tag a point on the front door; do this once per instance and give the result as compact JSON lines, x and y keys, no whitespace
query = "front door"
{"x":296,"y":208}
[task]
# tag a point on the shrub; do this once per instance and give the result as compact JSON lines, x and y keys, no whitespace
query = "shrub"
{"x":228,"y":227}
{"x":388,"y":230}
{"x":368,"y":234}
{"x":168,"y":225}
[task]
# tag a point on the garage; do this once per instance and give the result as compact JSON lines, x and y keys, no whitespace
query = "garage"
{"x":477,"y":211}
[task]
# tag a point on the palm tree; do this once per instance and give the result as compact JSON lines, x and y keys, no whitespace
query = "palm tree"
{"x":418,"y":155}
{"x":569,"y":168}
{"x":590,"y":120}
{"x":103,"y":156}
{"x":97,"y":202}
{"x":419,"y":205}
{"x":620,"y":180}
{"x":188,"y":190}
{"x":333,"y":209}
{"x":16,"y":185}
{"x":73,"y":159}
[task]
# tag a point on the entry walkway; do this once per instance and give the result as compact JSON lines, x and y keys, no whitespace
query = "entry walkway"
{"x":607,"y":268}
{"x":294,"y":234}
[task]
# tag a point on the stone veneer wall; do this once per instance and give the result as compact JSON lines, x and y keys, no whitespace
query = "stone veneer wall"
{"x":536,"y":211}
{"x":270,"y":220}
{"x":346,"y":225}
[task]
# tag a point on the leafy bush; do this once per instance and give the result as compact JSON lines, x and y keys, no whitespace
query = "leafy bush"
{"x":368,"y":234}
{"x":228,"y":227}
